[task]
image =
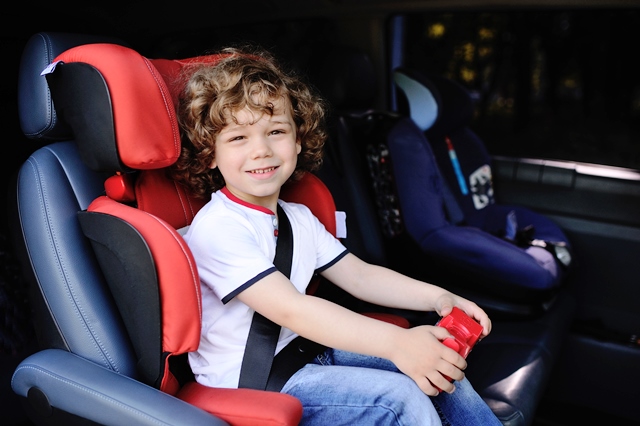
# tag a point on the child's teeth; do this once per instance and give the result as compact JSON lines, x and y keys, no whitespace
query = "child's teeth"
{"x":263,"y":171}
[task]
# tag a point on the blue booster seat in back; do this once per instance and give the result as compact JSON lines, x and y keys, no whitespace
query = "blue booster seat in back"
{"x":444,"y":183}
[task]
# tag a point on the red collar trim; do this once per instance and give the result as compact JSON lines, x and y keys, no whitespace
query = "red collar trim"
{"x":235,"y":199}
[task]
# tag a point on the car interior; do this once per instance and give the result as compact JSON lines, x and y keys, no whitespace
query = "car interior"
{"x":491,"y":149}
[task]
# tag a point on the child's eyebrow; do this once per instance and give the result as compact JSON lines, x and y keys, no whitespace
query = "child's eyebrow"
{"x":280,"y":119}
{"x":285,"y":122}
{"x":233,"y":126}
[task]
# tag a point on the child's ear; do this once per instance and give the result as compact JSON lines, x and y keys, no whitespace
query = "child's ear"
{"x":298,"y":146}
{"x":213,"y":164}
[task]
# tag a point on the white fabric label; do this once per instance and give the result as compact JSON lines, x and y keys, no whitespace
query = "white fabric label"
{"x":49,"y":69}
{"x":341,"y":224}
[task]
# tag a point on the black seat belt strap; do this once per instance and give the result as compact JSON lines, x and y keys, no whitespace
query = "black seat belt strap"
{"x":264,"y":333}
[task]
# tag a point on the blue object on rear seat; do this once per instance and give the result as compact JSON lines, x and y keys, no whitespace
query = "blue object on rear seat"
{"x":511,"y":367}
{"x":441,"y":167}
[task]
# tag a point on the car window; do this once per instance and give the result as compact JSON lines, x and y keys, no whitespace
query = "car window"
{"x":555,"y":84}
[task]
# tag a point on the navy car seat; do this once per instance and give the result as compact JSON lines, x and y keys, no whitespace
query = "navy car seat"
{"x":444,"y":183}
{"x":511,"y":367}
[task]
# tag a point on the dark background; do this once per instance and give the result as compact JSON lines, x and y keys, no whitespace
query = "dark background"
{"x":552,"y":82}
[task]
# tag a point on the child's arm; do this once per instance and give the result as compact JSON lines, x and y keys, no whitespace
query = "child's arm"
{"x":385,"y":287}
{"x":417,"y":352}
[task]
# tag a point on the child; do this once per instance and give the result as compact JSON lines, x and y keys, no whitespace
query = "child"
{"x":248,"y":128}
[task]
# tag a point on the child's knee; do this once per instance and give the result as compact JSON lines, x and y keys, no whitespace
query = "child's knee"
{"x":410,"y":405}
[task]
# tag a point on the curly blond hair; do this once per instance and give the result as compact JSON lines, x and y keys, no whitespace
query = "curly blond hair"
{"x":246,"y":77}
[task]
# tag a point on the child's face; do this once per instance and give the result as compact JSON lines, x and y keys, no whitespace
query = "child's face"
{"x":258,"y":155}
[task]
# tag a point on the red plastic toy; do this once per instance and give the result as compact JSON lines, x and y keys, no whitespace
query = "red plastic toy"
{"x":465,"y":330}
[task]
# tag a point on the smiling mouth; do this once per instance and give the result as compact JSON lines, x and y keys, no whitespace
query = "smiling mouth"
{"x":262,"y":171}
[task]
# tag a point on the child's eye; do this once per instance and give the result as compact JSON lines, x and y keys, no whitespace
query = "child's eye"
{"x":277,"y":132}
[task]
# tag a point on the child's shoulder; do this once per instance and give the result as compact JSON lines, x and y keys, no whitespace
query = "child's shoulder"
{"x":219,"y":210}
{"x":299,"y":212}
{"x":215,"y":204}
{"x":219,"y":216}
{"x":295,"y":208}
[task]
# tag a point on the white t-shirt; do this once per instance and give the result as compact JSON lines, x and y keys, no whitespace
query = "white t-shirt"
{"x":234,"y":243}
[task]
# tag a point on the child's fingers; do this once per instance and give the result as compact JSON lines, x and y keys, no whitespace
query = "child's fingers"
{"x":440,"y":333}
{"x":425,"y":385}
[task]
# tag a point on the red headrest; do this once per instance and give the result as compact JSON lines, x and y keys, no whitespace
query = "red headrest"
{"x":144,"y":118}
{"x":143,"y":95}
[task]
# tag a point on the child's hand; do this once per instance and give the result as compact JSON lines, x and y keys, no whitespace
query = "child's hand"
{"x":445,"y":303}
{"x":420,"y":354}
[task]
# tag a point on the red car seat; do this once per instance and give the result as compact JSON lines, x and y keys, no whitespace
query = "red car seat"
{"x":107,"y":348}
{"x":117,"y":290}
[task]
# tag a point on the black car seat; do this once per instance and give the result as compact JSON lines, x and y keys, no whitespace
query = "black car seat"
{"x":445,"y":189}
{"x":348,"y":82}
{"x":354,"y":165}
{"x":511,"y":367}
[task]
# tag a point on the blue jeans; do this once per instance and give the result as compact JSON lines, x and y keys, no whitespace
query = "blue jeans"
{"x":344,"y":388}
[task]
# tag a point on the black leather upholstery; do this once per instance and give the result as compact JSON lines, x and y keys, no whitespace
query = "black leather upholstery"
{"x":38,"y":118}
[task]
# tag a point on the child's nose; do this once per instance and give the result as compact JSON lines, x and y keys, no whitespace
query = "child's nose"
{"x":261,"y":146}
